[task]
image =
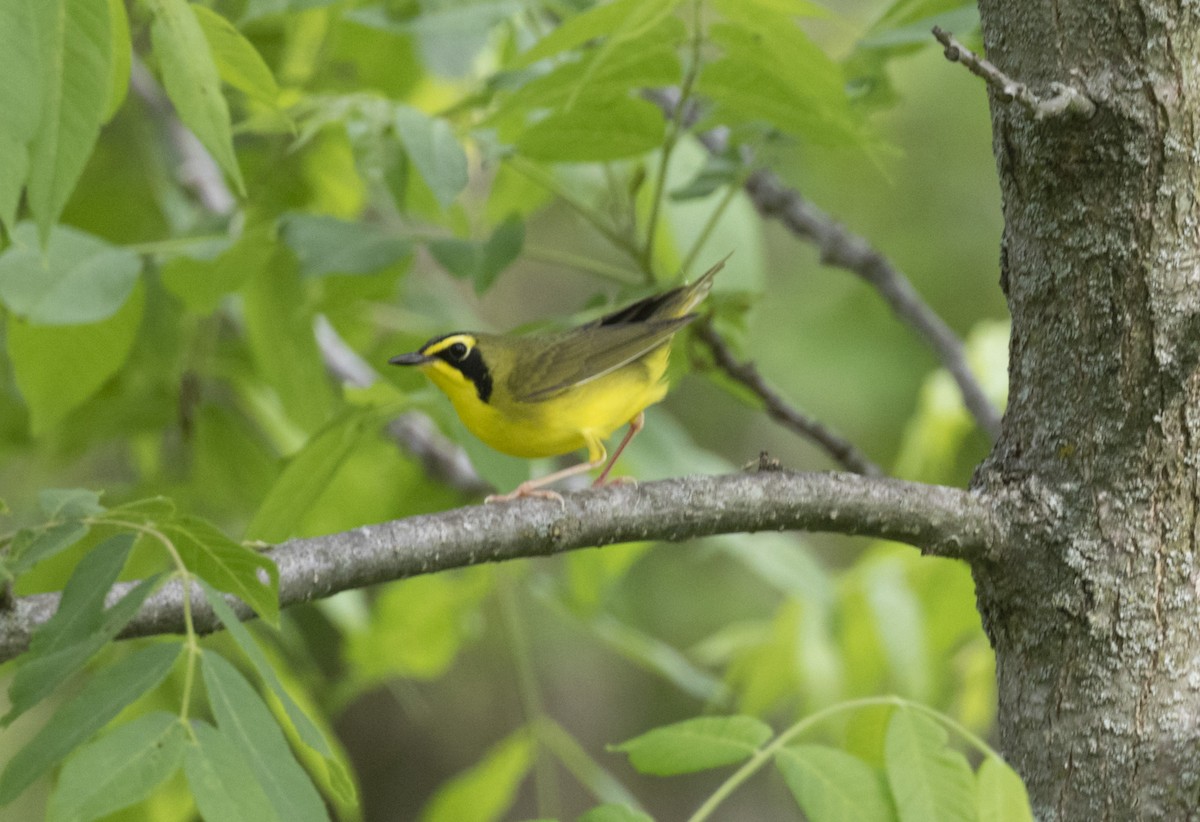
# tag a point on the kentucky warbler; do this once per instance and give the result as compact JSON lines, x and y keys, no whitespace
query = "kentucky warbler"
{"x":545,"y":394}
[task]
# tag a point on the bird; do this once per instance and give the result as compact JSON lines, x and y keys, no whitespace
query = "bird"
{"x":546,"y":394}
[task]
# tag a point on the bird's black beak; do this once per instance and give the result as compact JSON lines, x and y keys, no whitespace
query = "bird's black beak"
{"x":415,"y":358}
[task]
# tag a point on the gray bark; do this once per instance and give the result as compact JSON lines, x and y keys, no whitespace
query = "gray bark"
{"x":1092,"y":605}
{"x":944,"y":521}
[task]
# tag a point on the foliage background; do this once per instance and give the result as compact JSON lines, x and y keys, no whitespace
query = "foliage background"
{"x":420,"y":679}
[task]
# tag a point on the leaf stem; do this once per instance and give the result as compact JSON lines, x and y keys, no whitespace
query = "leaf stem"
{"x":545,"y":777}
{"x":553,"y":255}
{"x":593,"y":776}
{"x":546,"y":180}
{"x":675,"y":130}
{"x":709,"y":224}
{"x":763,"y":755}
{"x":192,"y":643}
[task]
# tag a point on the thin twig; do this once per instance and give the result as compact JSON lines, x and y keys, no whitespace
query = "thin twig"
{"x":677,"y":123}
{"x":842,"y":248}
{"x":942,"y":521}
{"x":441,"y":458}
{"x":534,"y":173}
{"x":1064,"y":99}
{"x":836,"y":446}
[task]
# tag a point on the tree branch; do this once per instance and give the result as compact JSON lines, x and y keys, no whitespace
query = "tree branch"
{"x":195,"y":167}
{"x":1064,"y":100}
{"x":942,"y":521}
{"x":850,"y":252}
{"x":779,"y":410}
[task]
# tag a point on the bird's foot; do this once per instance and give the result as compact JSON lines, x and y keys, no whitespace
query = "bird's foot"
{"x":525,"y":490}
{"x":602,"y":482}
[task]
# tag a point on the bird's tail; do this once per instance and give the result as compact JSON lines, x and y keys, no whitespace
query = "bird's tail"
{"x":692,"y":295}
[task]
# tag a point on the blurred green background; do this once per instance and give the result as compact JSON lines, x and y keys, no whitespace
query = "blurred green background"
{"x":223,"y":390}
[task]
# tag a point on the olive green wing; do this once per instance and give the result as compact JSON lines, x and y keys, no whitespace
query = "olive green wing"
{"x":665,"y":306}
{"x":557,"y":362}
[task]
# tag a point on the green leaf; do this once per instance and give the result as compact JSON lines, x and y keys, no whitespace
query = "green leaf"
{"x":595,"y":130}
{"x":121,"y":49}
{"x":1002,"y":794}
{"x":717,"y":172}
{"x":202,"y":282}
{"x":42,"y":672}
{"x":261,"y":8}
{"x":773,"y":74}
{"x":227,"y":565}
{"x":78,"y":279}
{"x":21,"y":60}
{"x":118,"y":769}
{"x":245,"y":719}
{"x":591,"y":575}
{"x":621,"y":20}
{"x":658,"y":656}
{"x":279,"y":326}
{"x":74,"y":44}
{"x":434,"y":150}
{"x":81,"y":609}
{"x":222,"y":781}
{"x":865,"y":734}
{"x":417,"y":626}
{"x":102,"y":698}
{"x":696,"y":744}
{"x":482,"y":262}
{"x":31,"y":546}
{"x":14,"y":170}
{"x":930,"y":782}
{"x":900,"y":625}
{"x":614,"y":813}
{"x":20,"y":100}
{"x":339,"y":777}
{"x":238,"y":62}
{"x":192,"y":81}
{"x":69,"y":503}
{"x":145,"y":511}
{"x":833,"y":786}
{"x":486,"y":791}
{"x":784,"y":563}
{"x":791,"y":8}
{"x":917,"y":33}
{"x":307,"y":475}
{"x":327,"y":245}
{"x":449,"y":21}
{"x":651,"y":59}
{"x":58,"y":368}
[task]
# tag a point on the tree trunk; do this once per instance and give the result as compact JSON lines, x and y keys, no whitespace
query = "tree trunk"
{"x":1092,"y":606}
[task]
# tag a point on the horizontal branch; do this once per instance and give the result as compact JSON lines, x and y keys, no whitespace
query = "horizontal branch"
{"x":941,"y":521}
{"x":1063,"y":100}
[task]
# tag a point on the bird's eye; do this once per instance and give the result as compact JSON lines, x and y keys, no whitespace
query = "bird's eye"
{"x":458,"y":351}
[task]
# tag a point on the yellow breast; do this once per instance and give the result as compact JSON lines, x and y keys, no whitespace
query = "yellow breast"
{"x":582,"y":416}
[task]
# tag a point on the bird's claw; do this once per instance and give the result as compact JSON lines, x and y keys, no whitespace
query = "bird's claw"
{"x":526,"y":490}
